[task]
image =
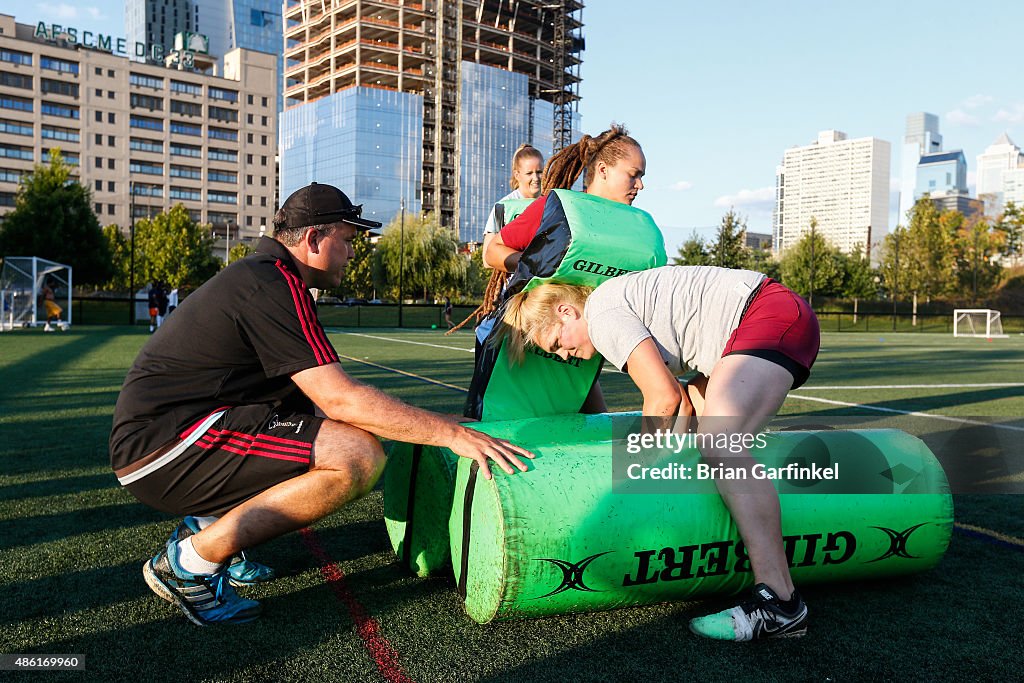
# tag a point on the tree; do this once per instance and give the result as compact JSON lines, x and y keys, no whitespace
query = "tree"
{"x":358,"y":281}
{"x":174,"y":249}
{"x":858,"y":275}
{"x":693,"y":252}
{"x":813,"y":266}
{"x":53,"y":219}
{"x":239,"y":250}
{"x":895,"y":267}
{"x":431,"y":263}
{"x":977,"y":273}
{"x":729,"y":250}
{"x":762,"y":261}
{"x":477,"y":275}
{"x":1011,"y":226}
{"x":931,"y":263}
{"x":120,"y":258}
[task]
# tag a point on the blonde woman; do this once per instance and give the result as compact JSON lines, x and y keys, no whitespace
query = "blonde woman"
{"x":749,"y":339}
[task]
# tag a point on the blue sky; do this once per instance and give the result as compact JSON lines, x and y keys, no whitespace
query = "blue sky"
{"x":716,"y":92}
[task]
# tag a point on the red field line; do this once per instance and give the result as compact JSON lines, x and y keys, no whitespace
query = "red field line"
{"x":384,"y":656}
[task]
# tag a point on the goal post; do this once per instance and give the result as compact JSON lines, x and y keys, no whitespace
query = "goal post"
{"x":977,"y":322}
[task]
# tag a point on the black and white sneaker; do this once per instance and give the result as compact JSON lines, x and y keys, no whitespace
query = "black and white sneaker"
{"x":762,"y":616}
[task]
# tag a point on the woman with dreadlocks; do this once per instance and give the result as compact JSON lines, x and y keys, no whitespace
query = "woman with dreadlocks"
{"x":612,"y":165}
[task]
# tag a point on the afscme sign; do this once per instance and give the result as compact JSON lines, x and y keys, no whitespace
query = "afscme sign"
{"x":193,"y":42}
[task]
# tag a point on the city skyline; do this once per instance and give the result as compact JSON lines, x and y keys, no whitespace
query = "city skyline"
{"x":716,"y":95}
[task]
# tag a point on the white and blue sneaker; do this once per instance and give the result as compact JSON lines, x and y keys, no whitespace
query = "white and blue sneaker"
{"x":763,"y":616}
{"x":241,"y":570}
{"x":206,"y":599}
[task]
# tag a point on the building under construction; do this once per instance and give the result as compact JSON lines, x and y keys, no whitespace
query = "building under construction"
{"x":422,"y":103}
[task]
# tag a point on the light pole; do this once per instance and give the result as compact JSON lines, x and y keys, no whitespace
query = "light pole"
{"x":401,"y":261}
{"x":810,"y":298}
{"x":131,"y":267}
{"x":227,"y":242}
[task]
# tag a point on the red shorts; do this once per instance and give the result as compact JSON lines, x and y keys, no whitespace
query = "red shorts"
{"x":153,"y":312}
{"x":779,"y":326}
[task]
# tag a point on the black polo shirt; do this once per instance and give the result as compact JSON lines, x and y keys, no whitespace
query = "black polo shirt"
{"x":235,"y":341}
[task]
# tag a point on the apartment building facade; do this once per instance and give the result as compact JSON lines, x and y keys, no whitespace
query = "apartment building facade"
{"x":143,"y":137}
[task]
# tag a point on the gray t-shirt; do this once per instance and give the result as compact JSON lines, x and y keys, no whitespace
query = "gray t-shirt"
{"x":690,"y":311}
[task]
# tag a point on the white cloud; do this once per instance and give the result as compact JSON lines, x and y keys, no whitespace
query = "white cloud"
{"x":761,"y":199}
{"x":681,"y":186}
{"x":1014,"y":115}
{"x":958,"y":117}
{"x":67,"y":12}
{"x":975,"y":101}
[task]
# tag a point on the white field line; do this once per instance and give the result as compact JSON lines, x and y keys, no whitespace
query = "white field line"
{"x":404,"y":341}
{"x":880,"y":409}
{"x":915,"y":386}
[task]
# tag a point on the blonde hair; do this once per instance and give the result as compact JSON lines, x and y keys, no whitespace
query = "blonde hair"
{"x":530,"y":315}
{"x":523,"y":152}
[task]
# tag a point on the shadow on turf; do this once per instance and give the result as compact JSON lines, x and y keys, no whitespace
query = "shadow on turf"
{"x":58,"y":486}
{"x":28,"y":530}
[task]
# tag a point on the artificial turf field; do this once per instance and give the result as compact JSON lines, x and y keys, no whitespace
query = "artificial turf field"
{"x":72,"y":544}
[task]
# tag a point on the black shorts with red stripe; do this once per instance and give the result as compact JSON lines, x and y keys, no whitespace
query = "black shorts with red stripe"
{"x":248,"y":450}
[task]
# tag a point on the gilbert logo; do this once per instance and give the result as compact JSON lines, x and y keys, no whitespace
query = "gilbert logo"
{"x":898,"y":542}
{"x":572,"y":574}
{"x":276,"y":423}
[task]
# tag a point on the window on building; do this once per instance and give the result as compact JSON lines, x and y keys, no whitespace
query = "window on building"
{"x":146,"y":122}
{"x":263,"y":120}
{"x":248,"y":180}
{"x":248,"y":200}
{"x":57,"y":133}
{"x":98,"y":71}
{"x":248,"y":158}
{"x":110,"y":209}
{"x":52,"y":87}
{"x":186,"y":129}
{"x":186,"y":193}
{"x":142,"y":81}
{"x":250,"y":100}
{"x":99,"y":92}
{"x":16,"y":152}
{"x":12,"y":80}
{"x":223,"y":114}
{"x":222,"y":176}
{"x":186,"y":88}
{"x":110,"y":94}
{"x":263,"y":140}
{"x":264,"y":101}
{"x":111,"y":163}
{"x":186,"y":108}
{"x":249,"y":119}
{"x":98,"y":208}
{"x":248,"y":138}
{"x":99,"y":117}
{"x":222,"y":197}
{"x":16,"y":103}
{"x":223,"y":94}
{"x":15,"y":57}
{"x":263,"y":201}
{"x":110,"y":140}
{"x":178,"y":149}
{"x":263,"y":161}
{"x":138,"y":101}
{"x":16,"y":128}
{"x":110,"y":73}
{"x":61,"y":65}
{"x":97,"y":139}
{"x":144,"y":145}
{"x":223,"y":134}
{"x":111,"y":117}
{"x":61,"y":110}
{"x":147,"y":167}
{"x":263,"y":180}
{"x":98,"y":162}
{"x":99,"y":185}
{"x":189,"y":172}
{"x":223,"y":155}
{"x":110,"y":186}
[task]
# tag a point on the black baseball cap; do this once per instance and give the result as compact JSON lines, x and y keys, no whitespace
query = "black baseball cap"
{"x":317,"y":204}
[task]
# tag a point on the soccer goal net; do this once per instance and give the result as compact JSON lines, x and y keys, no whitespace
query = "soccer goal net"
{"x":977,"y":322}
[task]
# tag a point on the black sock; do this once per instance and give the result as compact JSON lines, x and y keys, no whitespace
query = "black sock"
{"x":792,"y":605}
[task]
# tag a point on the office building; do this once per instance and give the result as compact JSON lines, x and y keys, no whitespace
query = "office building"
{"x":999,"y":158}
{"x":226,"y":24}
{"x":922,"y":138}
{"x":843,"y":184}
{"x":142,"y":136}
{"x":421,"y":104}
{"x":944,"y":173}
